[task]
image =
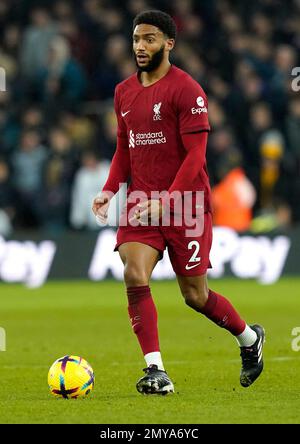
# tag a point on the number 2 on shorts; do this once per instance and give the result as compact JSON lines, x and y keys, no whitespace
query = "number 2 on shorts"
{"x":194,"y":257}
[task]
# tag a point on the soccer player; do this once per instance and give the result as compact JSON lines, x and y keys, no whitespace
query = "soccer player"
{"x":161,"y":145}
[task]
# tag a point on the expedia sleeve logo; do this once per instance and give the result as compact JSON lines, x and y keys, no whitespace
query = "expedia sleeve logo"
{"x":200,"y":101}
{"x":202,"y":108}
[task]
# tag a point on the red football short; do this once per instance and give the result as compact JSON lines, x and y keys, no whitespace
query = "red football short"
{"x":189,"y":255}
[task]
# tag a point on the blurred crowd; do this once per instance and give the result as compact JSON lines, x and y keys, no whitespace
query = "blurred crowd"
{"x":62,"y":60}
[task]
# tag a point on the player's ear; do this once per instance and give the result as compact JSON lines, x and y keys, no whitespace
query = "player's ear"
{"x":170,"y":43}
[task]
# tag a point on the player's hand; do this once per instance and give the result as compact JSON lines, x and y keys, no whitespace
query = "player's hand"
{"x":100,"y":207}
{"x":147,"y":212}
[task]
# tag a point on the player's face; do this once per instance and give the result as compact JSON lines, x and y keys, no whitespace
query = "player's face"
{"x":150,"y":47}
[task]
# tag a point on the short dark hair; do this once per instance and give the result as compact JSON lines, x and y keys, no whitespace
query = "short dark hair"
{"x":160,"y":19}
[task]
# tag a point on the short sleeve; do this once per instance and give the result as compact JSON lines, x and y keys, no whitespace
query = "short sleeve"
{"x":192,"y":108}
{"x":122,"y":130}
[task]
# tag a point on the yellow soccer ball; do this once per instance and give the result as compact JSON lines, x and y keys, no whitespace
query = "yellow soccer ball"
{"x":70,"y":377}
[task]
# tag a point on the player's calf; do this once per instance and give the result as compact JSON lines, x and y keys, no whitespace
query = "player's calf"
{"x":195,"y":299}
{"x":195,"y":291}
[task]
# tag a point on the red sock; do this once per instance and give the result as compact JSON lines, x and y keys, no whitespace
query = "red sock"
{"x":143,"y":318}
{"x":219,"y":310}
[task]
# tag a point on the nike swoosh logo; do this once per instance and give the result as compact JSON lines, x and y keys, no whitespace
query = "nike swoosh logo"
{"x":124,"y":114}
{"x":189,"y":267}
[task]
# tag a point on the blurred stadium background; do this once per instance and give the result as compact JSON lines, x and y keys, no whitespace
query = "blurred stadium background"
{"x":62,"y":60}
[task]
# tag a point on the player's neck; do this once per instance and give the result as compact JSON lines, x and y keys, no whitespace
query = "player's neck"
{"x":148,"y":78}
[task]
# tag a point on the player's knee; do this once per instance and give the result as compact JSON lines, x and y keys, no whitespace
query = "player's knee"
{"x":195,"y":298}
{"x":134,"y":276}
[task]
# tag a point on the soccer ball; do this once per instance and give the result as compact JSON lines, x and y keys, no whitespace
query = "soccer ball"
{"x":70,"y":377}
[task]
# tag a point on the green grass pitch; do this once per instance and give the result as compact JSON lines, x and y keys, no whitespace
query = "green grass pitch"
{"x":90,"y":320}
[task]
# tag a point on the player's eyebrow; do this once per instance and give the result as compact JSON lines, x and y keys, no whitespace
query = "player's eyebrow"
{"x":150,"y":34}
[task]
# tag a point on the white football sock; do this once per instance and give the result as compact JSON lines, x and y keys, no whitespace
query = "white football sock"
{"x":154,"y":358}
{"x":247,"y":338}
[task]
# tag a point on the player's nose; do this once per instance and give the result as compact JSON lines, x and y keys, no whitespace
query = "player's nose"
{"x":140,"y":46}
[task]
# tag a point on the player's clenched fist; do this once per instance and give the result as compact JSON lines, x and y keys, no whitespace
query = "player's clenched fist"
{"x":100,"y":207}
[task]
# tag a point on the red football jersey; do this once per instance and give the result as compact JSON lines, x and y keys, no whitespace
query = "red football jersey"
{"x":153,"y":118}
